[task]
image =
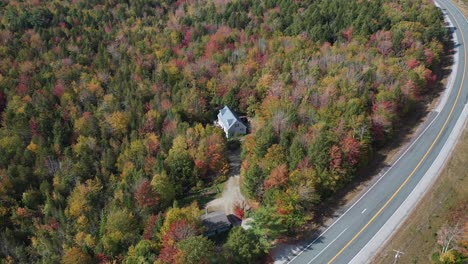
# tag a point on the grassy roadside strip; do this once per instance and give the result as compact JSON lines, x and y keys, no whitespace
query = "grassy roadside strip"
{"x":463,"y":5}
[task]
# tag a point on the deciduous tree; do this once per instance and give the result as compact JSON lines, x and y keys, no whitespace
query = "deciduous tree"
{"x":242,"y":246}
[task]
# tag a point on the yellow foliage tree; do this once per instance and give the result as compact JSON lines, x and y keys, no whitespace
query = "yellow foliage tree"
{"x":32,"y":147}
{"x":191,"y":214}
{"x":75,"y":255}
{"x":118,"y":122}
{"x":79,"y":204}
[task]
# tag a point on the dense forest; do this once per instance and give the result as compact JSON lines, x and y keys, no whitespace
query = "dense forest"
{"x":107,"y":110}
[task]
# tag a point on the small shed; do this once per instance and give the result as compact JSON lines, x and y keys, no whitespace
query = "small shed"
{"x":230,"y":123}
{"x":215,"y":223}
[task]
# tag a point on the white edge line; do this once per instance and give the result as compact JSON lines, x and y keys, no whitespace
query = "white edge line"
{"x":327,"y":246}
{"x":401,"y":156}
{"x":368,"y":190}
{"x":402,"y":213}
{"x":437,"y":4}
{"x":453,"y":138}
{"x":445,"y":94}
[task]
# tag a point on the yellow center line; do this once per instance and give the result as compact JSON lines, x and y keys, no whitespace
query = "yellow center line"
{"x":420,"y":162}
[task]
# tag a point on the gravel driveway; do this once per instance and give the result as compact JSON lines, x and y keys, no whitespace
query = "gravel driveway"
{"x":232,"y":195}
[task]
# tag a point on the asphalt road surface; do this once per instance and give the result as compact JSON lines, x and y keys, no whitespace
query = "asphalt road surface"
{"x":345,"y":237}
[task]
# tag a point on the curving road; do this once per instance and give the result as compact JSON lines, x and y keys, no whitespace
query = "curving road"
{"x":385,"y":204}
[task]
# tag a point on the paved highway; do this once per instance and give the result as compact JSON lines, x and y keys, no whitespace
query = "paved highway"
{"x":353,"y":230}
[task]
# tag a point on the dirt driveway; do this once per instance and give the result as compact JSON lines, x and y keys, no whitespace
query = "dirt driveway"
{"x":232,"y":195}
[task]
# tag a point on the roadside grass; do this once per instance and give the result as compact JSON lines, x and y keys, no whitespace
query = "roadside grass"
{"x":463,"y":4}
{"x":447,"y":199}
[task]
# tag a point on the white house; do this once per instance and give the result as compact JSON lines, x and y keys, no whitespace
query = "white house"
{"x":230,"y":123}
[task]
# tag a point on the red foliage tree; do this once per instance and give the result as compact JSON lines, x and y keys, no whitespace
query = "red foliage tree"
{"x":148,"y":233}
{"x":384,"y":42}
{"x":178,"y":231}
{"x":33,"y":127}
{"x":430,"y":77}
{"x":167,"y":254}
{"x":348,"y":34}
{"x":282,"y":210}
{"x":384,"y":107}
{"x":58,"y":90}
{"x":166,"y":104}
{"x":238,"y":211}
{"x":385,"y":47}
{"x":429,"y":56}
{"x":147,"y":107}
{"x":378,"y":131}
{"x":278,"y":177}
{"x":153,"y":145}
{"x":412,"y":63}
{"x":201,"y":166}
{"x":351,"y":148}
{"x":150,"y":163}
{"x":149,"y":125}
{"x":108,"y":27}
{"x":23,"y":85}
{"x":211,"y":47}
{"x":215,"y":152}
{"x":146,"y":196}
{"x":22,"y":89}
{"x":101,"y":258}
{"x":410,"y":89}
{"x":53,"y":224}
{"x":169,"y":127}
{"x":408,"y":41}
{"x":187,"y":37}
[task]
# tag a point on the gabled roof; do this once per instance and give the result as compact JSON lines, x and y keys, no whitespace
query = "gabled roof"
{"x":215,"y":221}
{"x":227,"y":117}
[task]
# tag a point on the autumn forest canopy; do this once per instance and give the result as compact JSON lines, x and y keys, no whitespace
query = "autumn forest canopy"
{"x":107,"y":110}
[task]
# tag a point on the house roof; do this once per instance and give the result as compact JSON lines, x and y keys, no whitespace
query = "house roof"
{"x":215,"y":221}
{"x":227,"y":117}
